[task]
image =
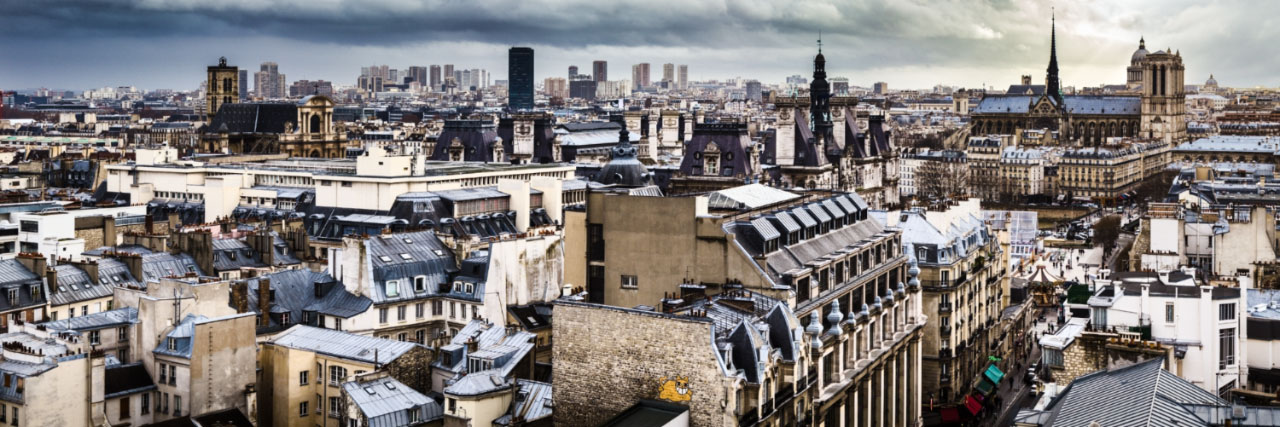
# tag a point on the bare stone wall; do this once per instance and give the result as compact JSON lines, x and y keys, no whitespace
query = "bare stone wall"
{"x":608,"y":358}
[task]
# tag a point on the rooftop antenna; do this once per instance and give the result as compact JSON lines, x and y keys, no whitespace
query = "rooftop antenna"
{"x":819,"y":41}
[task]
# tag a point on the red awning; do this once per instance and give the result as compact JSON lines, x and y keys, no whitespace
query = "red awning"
{"x":972,"y":405}
{"x":950,"y":415}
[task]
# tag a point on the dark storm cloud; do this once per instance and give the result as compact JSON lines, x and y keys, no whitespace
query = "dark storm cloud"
{"x":919,"y":42}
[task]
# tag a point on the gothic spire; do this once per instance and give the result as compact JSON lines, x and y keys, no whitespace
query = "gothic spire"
{"x":1052,"y":84}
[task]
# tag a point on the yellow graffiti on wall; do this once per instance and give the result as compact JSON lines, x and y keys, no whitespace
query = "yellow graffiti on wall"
{"x":675,"y":390}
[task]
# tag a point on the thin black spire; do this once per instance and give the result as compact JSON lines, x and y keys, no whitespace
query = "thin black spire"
{"x":1052,"y":84}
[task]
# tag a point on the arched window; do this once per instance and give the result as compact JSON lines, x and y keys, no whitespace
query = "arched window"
{"x":315,"y":123}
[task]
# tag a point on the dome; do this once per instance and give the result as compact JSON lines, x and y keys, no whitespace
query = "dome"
{"x":1211,"y":81}
{"x":623,"y":169}
{"x":1139,"y":54}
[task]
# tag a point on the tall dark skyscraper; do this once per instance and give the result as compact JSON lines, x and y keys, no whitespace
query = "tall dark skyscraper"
{"x":435,"y":78}
{"x":600,"y":70}
{"x":520,"y":78}
{"x":573,"y":72}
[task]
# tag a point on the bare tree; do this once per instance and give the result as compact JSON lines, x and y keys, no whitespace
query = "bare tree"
{"x":941,"y":179}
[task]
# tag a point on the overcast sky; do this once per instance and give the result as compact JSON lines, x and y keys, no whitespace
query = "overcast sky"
{"x":80,"y":44}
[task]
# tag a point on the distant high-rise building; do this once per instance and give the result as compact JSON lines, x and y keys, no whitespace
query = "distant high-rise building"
{"x":244,"y":82}
{"x":448,"y":71}
{"x":753,"y":90}
{"x":477,"y":78}
{"x":682,"y":77}
{"x":418,"y":74}
{"x":669,"y":72}
{"x":556,"y":87}
{"x":520,"y":77}
{"x":223,"y":86}
{"x":600,"y":69}
{"x":640,"y":75}
{"x":435,"y":78}
{"x":583,"y":89}
{"x":394,"y":76}
{"x":881,"y":88}
{"x":302,"y":88}
{"x":573,"y":72}
{"x":268,"y":82}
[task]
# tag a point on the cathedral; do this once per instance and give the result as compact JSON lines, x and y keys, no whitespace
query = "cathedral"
{"x":1156,"y":108}
{"x":817,"y":143}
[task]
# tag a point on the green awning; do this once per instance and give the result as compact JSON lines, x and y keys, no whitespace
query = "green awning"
{"x":994,"y":374}
{"x":985,"y":387}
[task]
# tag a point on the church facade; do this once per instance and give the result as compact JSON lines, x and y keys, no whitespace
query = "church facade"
{"x":1156,"y":110}
{"x":299,"y":129}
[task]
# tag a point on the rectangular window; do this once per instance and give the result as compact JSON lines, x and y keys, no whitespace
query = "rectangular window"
{"x":146,"y":403}
{"x":302,"y":377}
{"x":95,"y":338}
{"x":1168,"y":312}
{"x":421,"y":336}
{"x":337,"y":374}
{"x":453,"y":309}
{"x":165,"y":401}
{"x":1226,"y":348}
{"x":334,"y":405}
{"x":402,"y":337}
{"x":173,"y":374}
{"x":1227,"y":311}
{"x":302,"y":409}
{"x":630,"y":282}
{"x":400,"y":311}
{"x":177,"y":405}
{"x":319,"y":372}
{"x":125,"y":410}
{"x":437,"y":307}
{"x":382,"y":315}
{"x":122,"y":334}
{"x":29,"y":226}
{"x":420,"y":310}
{"x":337,"y":323}
{"x":164,"y":375}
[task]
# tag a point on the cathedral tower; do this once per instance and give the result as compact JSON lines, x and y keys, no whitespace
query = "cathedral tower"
{"x":820,"y":98}
{"x":223,"y":87}
{"x":1164,"y":98}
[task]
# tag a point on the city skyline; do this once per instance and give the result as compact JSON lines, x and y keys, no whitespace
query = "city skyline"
{"x":962,"y":44}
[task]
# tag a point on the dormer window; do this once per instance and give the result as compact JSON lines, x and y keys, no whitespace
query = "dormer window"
{"x":173,"y":344}
{"x":420,"y":284}
{"x":13,"y":296}
{"x":392,"y":288}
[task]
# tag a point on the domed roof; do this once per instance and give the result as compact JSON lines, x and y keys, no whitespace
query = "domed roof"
{"x":623,"y":169}
{"x":1139,"y":54}
{"x":1211,"y":82}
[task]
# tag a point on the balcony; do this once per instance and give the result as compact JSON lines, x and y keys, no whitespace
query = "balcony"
{"x":945,"y":330}
{"x":944,"y":308}
{"x":945,"y":353}
{"x":766,"y":409}
{"x":749,"y":419}
{"x":784,"y":393}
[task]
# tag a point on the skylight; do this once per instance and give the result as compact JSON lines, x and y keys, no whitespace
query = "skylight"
{"x":370,"y":390}
{"x":406,"y":256}
{"x":384,"y":258}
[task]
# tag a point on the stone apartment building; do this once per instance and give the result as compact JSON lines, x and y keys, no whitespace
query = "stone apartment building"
{"x":1108,"y":172}
{"x":962,"y":272}
{"x":304,"y":369}
{"x":818,"y":254}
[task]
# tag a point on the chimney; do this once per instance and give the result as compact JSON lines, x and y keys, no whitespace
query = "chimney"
{"x":150,"y":225}
{"x":109,"y":231}
{"x":134,"y":262}
{"x":240,"y":296}
{"x":264,"y":301}
{"x":34,"y":263}
{"x":174,"y":222}
{"x":89,"y":267}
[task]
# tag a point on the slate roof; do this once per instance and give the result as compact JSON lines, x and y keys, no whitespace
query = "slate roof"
{"x":1101,"y":104}
{"x":750,"y":196}
{"x":101,"y":320}
{"x":296,"y":292}
{"x":234,"y":254}
{"x":1136,"y":395}
{"x":181,"y":336}
{"x":254,"y":118}
{"x":342,"y":345}
{"x":476,"y":137}
{"x":479,"y":383}
{"x":124,"y":380}
{"x":163,"y":264}
{"x":387,"y":402}
{"x":405,"y":256}
{"x":74,"y":285}
{"x":732,"y":142}
{"x":533,"y":403}
{"x":491,"y":339}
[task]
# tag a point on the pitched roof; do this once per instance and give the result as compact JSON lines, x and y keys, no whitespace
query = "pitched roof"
{"x":255,"y":118}
{"x":343,"y":345}
{"x":387,"y":402}
{"x":1139,"y":394}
